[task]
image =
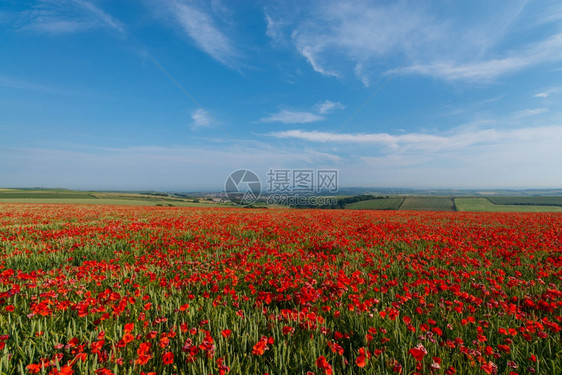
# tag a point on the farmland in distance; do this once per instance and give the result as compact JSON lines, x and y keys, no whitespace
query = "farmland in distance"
{"x":428,"y":204}
{"x":486,"y":205}
{"x":377,"y":204}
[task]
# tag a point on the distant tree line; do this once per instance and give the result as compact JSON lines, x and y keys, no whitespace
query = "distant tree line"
{"x":341,"y":202}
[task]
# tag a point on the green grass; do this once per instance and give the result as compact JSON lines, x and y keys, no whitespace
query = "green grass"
{"x":21,"y":194}
{"x":79,"y":197}
{"x":140,"y":266}
{"x":377,"y":204}
{"x":540,"y":201}
{"x":107,"y":201}
{"x":428,"y":204}
{"x":484,"y":204}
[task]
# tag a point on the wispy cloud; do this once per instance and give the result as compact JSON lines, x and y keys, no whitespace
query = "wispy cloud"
{"x":331,"y":37}
{"x":530,"y":112}
{"x":321,"y":109}
{"x":53,"y":26}
{"x":546,"y":51}
{"x":205,"y":31}
{"x":385,"y":139}
{"x":310,"y":53}
{"x":328,"y":106}
{"x":469,"y":156}
{"x":200,"y":119}
{"x":274,"y":29}
{"x":104,"y":17}
{"x":527,"y":157}
{"x":17,"y":83}
{"x":368,"y":39}
{"x":454,"y":140}
{"x":68,"y":17}
{"x":546,"y":93}
{"x":292,"y":117}
{"x":524,"y":156}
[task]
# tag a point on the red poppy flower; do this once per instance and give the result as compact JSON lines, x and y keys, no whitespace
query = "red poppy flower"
{"x":143,"y":359}
{"x":418,"y":352}
{"x":168,"y":358}
{"x":324,"y":365}
{"x":362,"y":358}
{"x":33,"y":368}
{"x":226,"y":332}
{"x":261,"y":346}
{"x":489,"y":368}
{"x":129,"y":327}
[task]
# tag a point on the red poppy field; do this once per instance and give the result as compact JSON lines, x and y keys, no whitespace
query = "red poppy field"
{"x":133,"y":290}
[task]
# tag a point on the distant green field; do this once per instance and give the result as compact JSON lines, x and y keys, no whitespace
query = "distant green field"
{"x":541,"y":201}
{"x":483,"y":204}
{"x":17,"y":194}
{"x":79,"y":197}
{"x":377,"y":204}
{"x":413,"y":203}
{"x":117,"y":202}
{"x":428,"y":204}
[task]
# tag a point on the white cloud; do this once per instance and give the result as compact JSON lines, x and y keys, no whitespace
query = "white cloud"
{"x":546,"y":93}
{"x":501,"y":158}
{"x":104,"y":17}
{"x":530,"y":112}
{"x":358,"y":32}
{"x":206,"y":33}
{"x":309,"y":53}
{"x":550,"y":12}
{"x":456,"y":139}
{"x":368,"y":38}
{"x":515,"y":158}
{"x":292,"y":117}
{"x":68,"y":17}
{"x":465,"y":157}
{"x":301,"y":117}
{"x":59,"y":27}
{"x":274,"y":29}
{"x":420,"y":141}
{"x":546,"y":51}
{"x":328,"y":106}
{"x":362,"y":74}
{"x":200,"y":119}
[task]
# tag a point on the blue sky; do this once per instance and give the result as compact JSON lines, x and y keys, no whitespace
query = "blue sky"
{"x":175,"y":95}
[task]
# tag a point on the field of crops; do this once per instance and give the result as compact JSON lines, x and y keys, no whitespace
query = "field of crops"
{"x":97,"y":198}
{"x":31,"y":194}
{"x":547,"y":200}
{"x":153,"y":290}
{"x":486,"y":205}
{"x":377,"y":204}
{"x":477,"y":204}
{"x":428,"y":204}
